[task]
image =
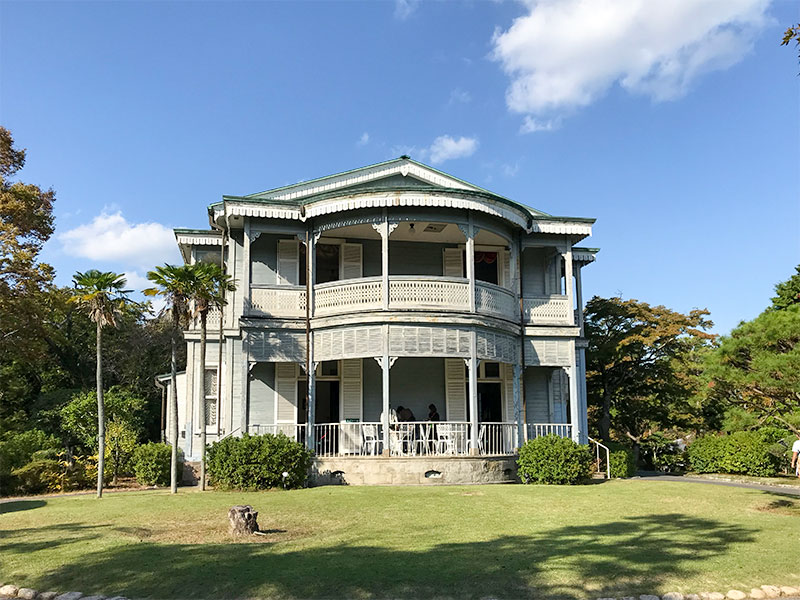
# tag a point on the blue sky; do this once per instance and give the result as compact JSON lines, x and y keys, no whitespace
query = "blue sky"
{"x":675,"y":124}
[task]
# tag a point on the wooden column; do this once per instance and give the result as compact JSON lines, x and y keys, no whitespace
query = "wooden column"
{"x":311,"y":270}
{"x":245,"y":358}
{"x":385,"y":260}
{"x":385,"y":367}
{"x":574,"y":403}
{"x":568,"y":283}
{"x":470,"y":258}
{"x":311,"y":373}
{"x":472,"y":365}
{"x":579,"y":297}
{"x":246,"y":300}
{"x":583,"y":404}
{"x":518,"y":372}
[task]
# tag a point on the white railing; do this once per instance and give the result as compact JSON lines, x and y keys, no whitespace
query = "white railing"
{"x":598,"y":446}
{"x":495,"y":300}
{"x":441,"y":438}
{"x":411,"y":292}
{"x":547,"y":310}
{"x":278,"y":301}
{"x":353,"y":295}
{"x":296,"y":431}
{"x":534,"y":430}
{"x":348,"y":439}
{"x":498,"y":438}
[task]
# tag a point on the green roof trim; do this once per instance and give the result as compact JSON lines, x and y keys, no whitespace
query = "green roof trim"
{"x":581,"y":249}
{"x":214,"y":232}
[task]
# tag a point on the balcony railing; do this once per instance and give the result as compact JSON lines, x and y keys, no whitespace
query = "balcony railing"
{"x":535,"y":430}
{"x":547,"y":310}
{"x":295,"y":431}
{"x":366,"y":294}
{"x":278,"y":301}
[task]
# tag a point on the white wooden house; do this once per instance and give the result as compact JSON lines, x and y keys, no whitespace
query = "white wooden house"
{"x":390,"y":285}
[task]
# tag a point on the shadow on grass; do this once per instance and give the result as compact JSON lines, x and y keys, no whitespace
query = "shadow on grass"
{"x":18,"y":505}
{"x":631,"y":555}
{"x":27,"y":540}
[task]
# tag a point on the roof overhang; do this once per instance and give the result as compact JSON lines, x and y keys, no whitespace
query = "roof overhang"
{"x":187,"y":238}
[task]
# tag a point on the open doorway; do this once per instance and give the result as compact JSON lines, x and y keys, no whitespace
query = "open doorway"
{"x":490,"y":403}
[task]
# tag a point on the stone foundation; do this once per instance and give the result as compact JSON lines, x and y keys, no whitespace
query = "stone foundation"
{"x":418,"y":470}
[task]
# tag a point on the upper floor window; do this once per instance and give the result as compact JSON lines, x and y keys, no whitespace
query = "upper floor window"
{"x":210,"y":400}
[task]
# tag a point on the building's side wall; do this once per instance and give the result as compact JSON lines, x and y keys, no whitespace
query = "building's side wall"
{"x":417,"y":258}
{"x":417,"y":382}
{"x":537,"y":390}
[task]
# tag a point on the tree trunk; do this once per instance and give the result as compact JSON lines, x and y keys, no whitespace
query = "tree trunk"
{"x":243,"y":520}
{"x":203,"y":392}
{"x":101,"y":413}
{"x":173,"y":409}
{"x":605,"y":417}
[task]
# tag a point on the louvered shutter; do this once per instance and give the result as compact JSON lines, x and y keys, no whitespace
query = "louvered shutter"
{"x":505,"y":272}
{"x":288,"y":262}
{"x":558,"y":387}
{"x":453,"y":262}
{"x":551,"y":276}
{"x":352,"y":390}
{"x":455,"y":389}
{"x":508,"y":392}
{"x":351,"y":261}
{"x":285,"y":392}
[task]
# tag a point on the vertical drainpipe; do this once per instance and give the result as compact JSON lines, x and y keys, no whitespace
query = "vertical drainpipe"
{"x":221,"y":338}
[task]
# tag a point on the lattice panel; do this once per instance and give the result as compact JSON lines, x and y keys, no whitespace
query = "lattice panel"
{"x":547,"y":310}
{"x":428,"y":341}
{"x":495,"y":300}
{"x":276,"y":346}
{"x":497,"y":347}
{"x":428,"y":293}
{"x":352,"y":342}
{"x":348,"y":297}
{"x":279,"y":301}
{"x":547,"y":352}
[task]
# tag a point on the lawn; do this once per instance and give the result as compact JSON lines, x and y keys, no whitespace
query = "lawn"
{"x":511,"y":541}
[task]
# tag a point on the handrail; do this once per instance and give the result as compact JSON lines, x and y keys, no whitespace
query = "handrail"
{"x":227,"y":435}
{"x":599,"y":445}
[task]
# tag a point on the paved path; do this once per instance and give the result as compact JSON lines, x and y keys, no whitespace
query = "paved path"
{"x":775,"y":489}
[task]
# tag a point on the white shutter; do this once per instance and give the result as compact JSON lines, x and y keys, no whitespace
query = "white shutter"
{"x":505,"y":272}
{"x":558,"y":387}
{"x":453,"y":262}
{"x":285,"y":392}
{"x":351,"y":261}
{"x":352,"y":394}
{"x":508,"y":392}
{"x":288,"y":262}
{"x":455,"y":389}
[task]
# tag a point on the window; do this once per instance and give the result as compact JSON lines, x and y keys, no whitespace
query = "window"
{"x":329,"y":368}
{"x":486,"y":267}
{"x":327,"y":263}
{"x":210,"y":403}
{"x":491,"y":370}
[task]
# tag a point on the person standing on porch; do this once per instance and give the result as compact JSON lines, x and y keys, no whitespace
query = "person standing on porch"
{"x":433,"y":414}
{"x":405,"y":414}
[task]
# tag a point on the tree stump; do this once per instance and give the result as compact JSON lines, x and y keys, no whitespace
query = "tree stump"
{"x":243,"y":520}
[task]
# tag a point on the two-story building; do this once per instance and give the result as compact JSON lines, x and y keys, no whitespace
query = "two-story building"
{"x":394,"y":285}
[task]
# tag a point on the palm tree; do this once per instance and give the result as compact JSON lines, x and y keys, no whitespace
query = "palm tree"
{"x":102,"y":296}
{"x":175,"y":284}
{"x":210,"y":285}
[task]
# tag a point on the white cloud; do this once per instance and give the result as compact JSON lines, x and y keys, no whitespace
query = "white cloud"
{"x":405,"y":8}
{"x":565,"y":54}
{"x":459,"y":96}
{"x":445,"y":148}
{"x":510,"y":170}
{"x":531,"y":124}
{"x":111,"y":238}
{"x":363,"y":140}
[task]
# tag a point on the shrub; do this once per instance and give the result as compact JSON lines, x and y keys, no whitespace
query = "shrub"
{"x":79,"y":416}
{"x":18,"y":449}
{"x":622,"y":464}
{"x":742,"y":452}
{"x":551,"y":459}
{"x":672,"y":463}
{"x":120,"y":444}
{"x":49,"y":475}
{"x":257,"y":462}
{"x":151,"y":463}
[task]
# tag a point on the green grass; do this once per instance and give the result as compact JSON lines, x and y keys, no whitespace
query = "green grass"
{"x":611,"y":539}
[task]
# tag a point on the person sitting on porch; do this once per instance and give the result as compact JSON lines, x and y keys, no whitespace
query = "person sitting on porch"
{"x":405,"y":414}
{"x":433,"y":414}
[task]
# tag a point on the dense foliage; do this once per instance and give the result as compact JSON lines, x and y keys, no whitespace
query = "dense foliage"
{"x":622,"y":464}
{"x":60,"y":474}
{"x":151,"y":463}
{"x":743,"y":452}
{"x":258,"y":462}
{"x":551,"y":459}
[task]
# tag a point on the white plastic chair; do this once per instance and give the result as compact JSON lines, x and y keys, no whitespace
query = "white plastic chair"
{"x":371,"y":439}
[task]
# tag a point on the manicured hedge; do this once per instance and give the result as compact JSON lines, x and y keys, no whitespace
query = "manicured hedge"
{"x":622,"y":464}
{"x":743,"y":453}
{"x":151,"y":463}
{"x":551,"y":459}
{"x":257,"y":462}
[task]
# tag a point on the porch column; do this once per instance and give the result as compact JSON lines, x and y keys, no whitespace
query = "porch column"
{"x":311,"y":377}
{"x":311,"y":269}
{"x":579,"y":297}
{"x":574,"y":404}
{"x":470,"y":258}
{"x":385,"y":259}
{"x":568,"y":284}
{"x":246,"y":299}
{"x":385,"y":367}
{"x":472,"y":365}
{"x":518,"y":371}
{"x":584,"y":419}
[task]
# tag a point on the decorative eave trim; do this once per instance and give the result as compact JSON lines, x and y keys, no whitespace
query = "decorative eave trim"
{"x":562,"y":227}
{"x":198,"y":239}
{"x":584,"y":255}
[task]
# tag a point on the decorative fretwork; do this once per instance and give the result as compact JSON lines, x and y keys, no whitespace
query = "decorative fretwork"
{"x":407,"y":340}
{"x":351,"y":342}
{"x":278,"y":301}
{"x":547,"y":352}
{"x":351,"y":296}
{"x":495,"y":300}
{"x":276,"y":346}
{"x":497,"y":347}
{"x":547,"y":310}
